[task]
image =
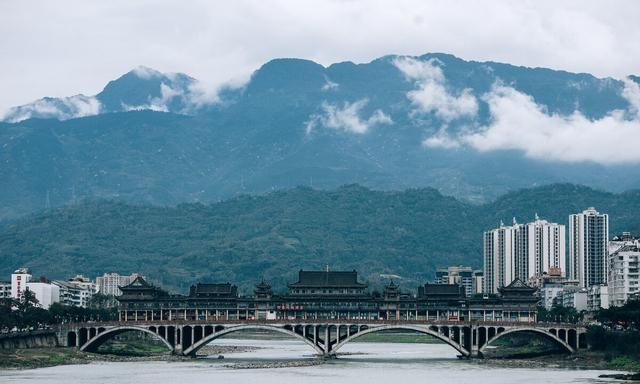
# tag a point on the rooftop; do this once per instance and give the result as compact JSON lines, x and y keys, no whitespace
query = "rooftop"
{"x":347,"y":279}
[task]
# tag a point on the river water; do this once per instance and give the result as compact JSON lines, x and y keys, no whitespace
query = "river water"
{"x":393,"y":363}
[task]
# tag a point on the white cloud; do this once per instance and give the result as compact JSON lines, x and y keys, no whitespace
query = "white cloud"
{"x":329,"y":85}
{"x":146,"y":73}
{"x":518,"y":123}
{"x":347,"y":118}
{"x":431,"y":95}
{"x":631,"y":92}
{"x":62,"y":109}
{"x":218,"y":41}
{"x":442,"y":140}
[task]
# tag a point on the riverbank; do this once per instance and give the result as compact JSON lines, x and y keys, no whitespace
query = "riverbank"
{"x":48,"y":357}
{"x":582,"y":360}
{"x":31,"y":358}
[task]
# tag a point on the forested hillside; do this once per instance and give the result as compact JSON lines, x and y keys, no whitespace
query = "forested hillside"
{"x":408,"y":234}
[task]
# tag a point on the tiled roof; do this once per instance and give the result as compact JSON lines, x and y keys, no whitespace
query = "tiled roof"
{"x":327,"y":279}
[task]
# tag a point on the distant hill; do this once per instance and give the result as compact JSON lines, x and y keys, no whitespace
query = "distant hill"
{"x":157,"y":138}
{"x":408,"y":234}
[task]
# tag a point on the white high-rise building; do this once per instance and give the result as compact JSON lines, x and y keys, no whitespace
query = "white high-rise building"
{"x":499,"y":257}
{"x":588,"y":247}
{"x":545,"y":248}
{"x":522,"y":251}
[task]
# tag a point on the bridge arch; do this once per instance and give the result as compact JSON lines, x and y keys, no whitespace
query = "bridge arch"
{"x":422,"y":329}
{"x":191,"y":350}
{"x":100,"y":338}
{"x":545,"y":333}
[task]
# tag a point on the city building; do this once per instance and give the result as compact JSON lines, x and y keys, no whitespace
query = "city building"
{"x":46,"y":293}
{"x":574,"y":297}
{"x":551,"y":286}
{"x":326,"y":295}
{"x":521,"y":251}
{"x":478,"y":282}
{"x":588,"y":247}
{"x":623,"y":268}
{"x":109,"y":283}
{"x":597,"y":297}
{"x":5,"y":289}
{"x":544,"y":248}
{"x":467,"y":277}
{"x":499,"y":257}
{"x":77,"y":291}
{"x":19,"y":280}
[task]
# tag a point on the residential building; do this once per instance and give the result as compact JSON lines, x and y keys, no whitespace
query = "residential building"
{"x":597,"y":297}
{"x":499,"y":257}
{"x":46,"y":293}
{"x":545,"y":248}
{"x":623,"y":267}
{"x":19,"y":280}
{"x":77,"y":291}
{"x":478,"y":282}
{"x":551,"y":286}
{"x":521,"y":251}
{"x":466,"y":277}
{"x":588,"y":247}
{"x":5,"y":289}
{"x":109,"y":283}
{"x":574,"y":297}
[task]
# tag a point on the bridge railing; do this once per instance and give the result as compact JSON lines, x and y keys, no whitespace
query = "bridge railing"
{"x":320,"y":322}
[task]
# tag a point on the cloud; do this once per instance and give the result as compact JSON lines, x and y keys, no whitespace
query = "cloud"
{"x":329,"y":85}
{"x":159,"y":104}
{"x":146,"y":73}
{"x":431,"y":95}
{"x":218,"y":41}
{"x":347,"y":118}
{"x":62,"y":109}
{"x":518,"y":123}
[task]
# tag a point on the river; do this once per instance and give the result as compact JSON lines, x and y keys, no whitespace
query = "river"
{"x":394,"y":363}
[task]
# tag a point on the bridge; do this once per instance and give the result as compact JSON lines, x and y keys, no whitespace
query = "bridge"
{"x":325,"y":337}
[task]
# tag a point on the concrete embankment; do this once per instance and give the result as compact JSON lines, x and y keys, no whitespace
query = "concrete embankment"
{"x":31,"y":339}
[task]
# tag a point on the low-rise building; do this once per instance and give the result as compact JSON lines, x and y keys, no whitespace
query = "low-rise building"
{"x":77,"y":291}
{"x":597,"y":297}
{"x":109,"y":284}
{"x":5,"y":289}
{"x":466,"y":277}
{"x":45,"y":292}
{"x":575,"y":297}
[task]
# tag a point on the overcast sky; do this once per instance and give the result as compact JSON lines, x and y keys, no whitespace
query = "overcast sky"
{"x":61,"y":48}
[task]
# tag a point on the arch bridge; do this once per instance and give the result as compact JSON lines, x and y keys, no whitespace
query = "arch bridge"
{"x":469,"y":339}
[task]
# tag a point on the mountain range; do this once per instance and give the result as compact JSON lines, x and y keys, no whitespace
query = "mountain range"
{"x":405,"y":235}
{"x":472,"y":130}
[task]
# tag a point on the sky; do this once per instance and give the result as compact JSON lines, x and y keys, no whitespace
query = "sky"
{"x":63,"y":48}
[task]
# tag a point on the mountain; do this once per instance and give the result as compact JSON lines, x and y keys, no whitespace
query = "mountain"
{"x":140,"y":89}
{"x":472,"y":130}
{"x":408,"y":234}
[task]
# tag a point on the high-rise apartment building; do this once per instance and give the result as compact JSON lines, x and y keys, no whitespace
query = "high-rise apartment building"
{"x":588,"y":247}
{"x":522,"y":251}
